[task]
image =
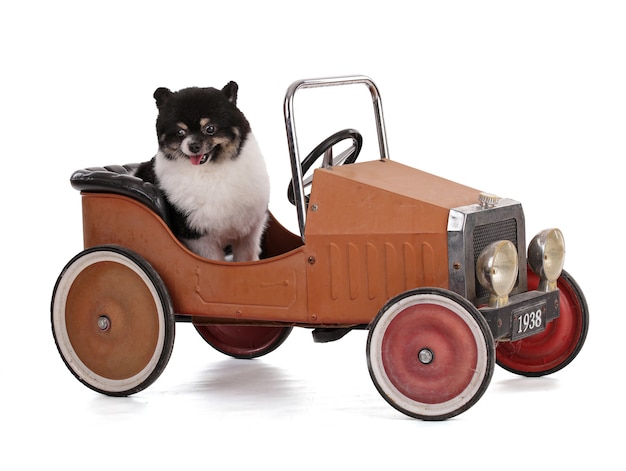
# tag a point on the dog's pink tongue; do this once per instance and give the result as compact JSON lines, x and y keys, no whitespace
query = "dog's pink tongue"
{"x":196,"y":159}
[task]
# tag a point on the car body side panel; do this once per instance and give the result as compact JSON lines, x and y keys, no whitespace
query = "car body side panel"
{"x":374,"y":230}
{"x":352,"y":277}
{"x":272,"y":289}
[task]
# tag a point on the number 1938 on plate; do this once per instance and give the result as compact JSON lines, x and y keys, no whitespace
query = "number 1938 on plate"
{"x":528,"y":321}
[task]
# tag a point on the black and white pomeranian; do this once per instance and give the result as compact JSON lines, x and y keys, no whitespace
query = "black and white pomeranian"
{"x":211,"y":171}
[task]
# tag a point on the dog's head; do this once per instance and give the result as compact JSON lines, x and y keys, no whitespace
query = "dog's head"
{"x":200,"y":124}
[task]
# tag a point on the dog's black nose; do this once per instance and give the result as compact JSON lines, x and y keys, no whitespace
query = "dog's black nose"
{"x":194,"y":147}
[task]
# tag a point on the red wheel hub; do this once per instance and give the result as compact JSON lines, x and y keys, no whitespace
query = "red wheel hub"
{"x":429,"y":353}
{"x":551,"y":349}
{"x":243,"y":341}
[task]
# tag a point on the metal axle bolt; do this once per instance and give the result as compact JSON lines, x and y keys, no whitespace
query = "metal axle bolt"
{"x":426,"y":356}
{"x":104,"y":323}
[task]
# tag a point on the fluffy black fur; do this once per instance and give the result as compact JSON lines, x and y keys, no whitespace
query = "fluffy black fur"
{"x":190,"y":106}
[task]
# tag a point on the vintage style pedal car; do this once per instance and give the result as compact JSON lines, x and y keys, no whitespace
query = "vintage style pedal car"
{"x":438,"y":273}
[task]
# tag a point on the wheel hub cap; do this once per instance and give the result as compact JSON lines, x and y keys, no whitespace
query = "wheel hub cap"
{"x":426,"y":356}
{"x":104,"y":323}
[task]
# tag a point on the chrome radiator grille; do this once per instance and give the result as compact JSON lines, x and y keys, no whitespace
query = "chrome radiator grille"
{"x":470,"y":230}
{"x":488,"y":233}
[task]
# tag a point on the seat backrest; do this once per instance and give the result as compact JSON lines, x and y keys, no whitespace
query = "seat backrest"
{"x":119,"y":179}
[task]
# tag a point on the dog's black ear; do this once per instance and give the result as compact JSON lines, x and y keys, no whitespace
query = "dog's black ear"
{"x":230,"y":90}
{"x":161,"y":95}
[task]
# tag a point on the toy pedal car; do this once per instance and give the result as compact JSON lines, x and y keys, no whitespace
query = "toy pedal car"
{"x":437,"y":272}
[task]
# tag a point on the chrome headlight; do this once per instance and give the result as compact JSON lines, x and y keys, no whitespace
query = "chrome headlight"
{"x":496,"y":270}
{"x":546,"y":255}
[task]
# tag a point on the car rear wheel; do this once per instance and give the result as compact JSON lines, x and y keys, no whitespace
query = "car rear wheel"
{"x":430,"y":354}
{"x":554,"y":348}
{"x":112,"y":320}
{"x":244,"y":342}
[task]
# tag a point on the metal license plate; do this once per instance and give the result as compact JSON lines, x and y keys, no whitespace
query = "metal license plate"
{"x":528,"y":320}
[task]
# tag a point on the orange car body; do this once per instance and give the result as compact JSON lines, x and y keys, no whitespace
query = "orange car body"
{"x":374,"y":229}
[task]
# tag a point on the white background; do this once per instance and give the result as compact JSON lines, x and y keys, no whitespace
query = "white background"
{"x":522,"y":99}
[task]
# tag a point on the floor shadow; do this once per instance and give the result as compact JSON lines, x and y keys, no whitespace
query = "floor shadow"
{"x":247,"y":383}
{"x":526,"y":384}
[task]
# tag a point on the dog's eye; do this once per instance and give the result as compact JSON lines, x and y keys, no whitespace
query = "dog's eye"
{"x":210,"y":130}
{"x":181,"y":133}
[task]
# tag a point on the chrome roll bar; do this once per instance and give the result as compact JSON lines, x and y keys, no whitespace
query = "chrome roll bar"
{"x":292,"y":140}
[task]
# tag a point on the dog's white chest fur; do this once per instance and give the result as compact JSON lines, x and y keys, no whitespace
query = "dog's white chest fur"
{"x":226,"y":201}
